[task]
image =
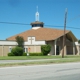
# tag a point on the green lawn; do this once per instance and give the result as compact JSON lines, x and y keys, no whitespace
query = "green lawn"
{"x":33,"y":57}
{"x":27,"y":57}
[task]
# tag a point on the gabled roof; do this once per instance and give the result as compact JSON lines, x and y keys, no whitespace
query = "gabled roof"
{"x":42,"y":34}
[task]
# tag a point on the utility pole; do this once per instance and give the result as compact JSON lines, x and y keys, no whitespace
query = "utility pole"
{"x":64,"y":38}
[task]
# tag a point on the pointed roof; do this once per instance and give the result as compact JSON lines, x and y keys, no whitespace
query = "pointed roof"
{"x":45,"y":34}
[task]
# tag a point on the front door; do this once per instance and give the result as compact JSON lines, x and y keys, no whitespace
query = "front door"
{"x":57,"y":50}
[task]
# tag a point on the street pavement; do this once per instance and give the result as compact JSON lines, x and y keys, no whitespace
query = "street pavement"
{"x":63,"y":71}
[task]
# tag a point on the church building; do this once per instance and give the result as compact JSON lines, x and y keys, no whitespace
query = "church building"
{"x":39,"y":35}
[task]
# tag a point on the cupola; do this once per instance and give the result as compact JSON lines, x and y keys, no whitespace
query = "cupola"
{"x":37,"y":24}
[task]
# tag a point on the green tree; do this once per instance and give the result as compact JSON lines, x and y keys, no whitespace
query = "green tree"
{"x":45,"y":49}
{"x":79,"y":41}
{"x":20,"y":41}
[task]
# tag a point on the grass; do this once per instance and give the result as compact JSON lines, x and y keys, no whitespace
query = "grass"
{"x":59,"y":59}
{"x":34,"y":57}
{"x":27,"y":57}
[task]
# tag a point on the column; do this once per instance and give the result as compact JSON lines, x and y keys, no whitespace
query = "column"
{"x":73,"y":48}
{"x":55,"y":47}
{"x":78,"y":47}
{"x":65,"y":51}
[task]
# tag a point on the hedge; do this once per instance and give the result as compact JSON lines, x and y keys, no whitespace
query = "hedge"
{"x":36,"y":54}
{"x":10,"y":54}
{"x":33,"y":54}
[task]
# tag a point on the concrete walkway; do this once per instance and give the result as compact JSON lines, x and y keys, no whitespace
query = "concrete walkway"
{"x":20,"y":61}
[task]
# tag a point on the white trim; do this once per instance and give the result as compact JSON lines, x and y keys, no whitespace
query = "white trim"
{"x":8,"y":43}
{"x":36,"y":27}
{"x":14,"y":43}
{"x":34,"y":42}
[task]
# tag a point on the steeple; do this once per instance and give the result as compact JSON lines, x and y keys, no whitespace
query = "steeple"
{"x":37,"y":15}
{"x":37,"y":24}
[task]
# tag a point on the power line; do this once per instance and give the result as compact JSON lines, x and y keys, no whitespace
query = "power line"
{"x":74,"y":27}
{"x":74,"y":18}
{"x":63,"y":26}
{"x":14,"y":23}
{"x":45,"y":25}
{"x":52,"y":26}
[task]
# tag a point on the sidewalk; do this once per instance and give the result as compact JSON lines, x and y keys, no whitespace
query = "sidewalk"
{"x":20,"y":61}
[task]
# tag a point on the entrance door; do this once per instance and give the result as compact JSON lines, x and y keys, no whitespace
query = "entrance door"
{"x":25,"y":50}
{"x":57,"y":50}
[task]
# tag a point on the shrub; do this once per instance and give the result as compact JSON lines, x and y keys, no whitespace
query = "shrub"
{"x":36,"y":54}
{"x":33,"y":54}
{"x":10,"y":54}
{"x":45,"y":49}
{"x":24,"y":54}
{"x":17,"y":51}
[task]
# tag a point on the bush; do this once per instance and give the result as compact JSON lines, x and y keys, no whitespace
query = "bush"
{"x":10,"y":54}
{"x":36,"y":54}
{"x":45,"y":49}
{"x":17,"y":51}
{"x":33,"y":54}
{"x":24,"y":54}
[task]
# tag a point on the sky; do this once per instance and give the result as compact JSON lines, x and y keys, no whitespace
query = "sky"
{"x":52,"y":12}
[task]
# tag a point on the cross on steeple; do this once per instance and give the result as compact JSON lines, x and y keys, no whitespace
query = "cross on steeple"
{"x":37,"y":15}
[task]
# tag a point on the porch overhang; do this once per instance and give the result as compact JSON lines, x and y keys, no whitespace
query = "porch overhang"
{"x":71,"y":37}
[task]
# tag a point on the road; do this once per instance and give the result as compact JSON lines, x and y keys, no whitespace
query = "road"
{"x":65,"y":71}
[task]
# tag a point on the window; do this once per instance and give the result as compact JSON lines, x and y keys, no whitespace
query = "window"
{"x":37,"y":25}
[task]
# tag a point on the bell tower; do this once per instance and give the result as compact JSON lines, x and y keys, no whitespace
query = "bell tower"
{"x":37,"y":24}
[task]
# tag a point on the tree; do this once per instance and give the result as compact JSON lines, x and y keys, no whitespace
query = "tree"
{"x":79,"y":41}
{"x":79,"y":45}
{"x":20,"y":41}
{"x":45,"y":49}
